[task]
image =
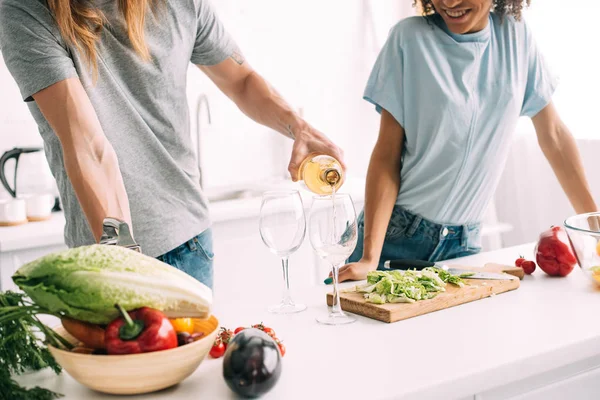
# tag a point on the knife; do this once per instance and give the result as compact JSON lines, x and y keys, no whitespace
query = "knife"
{"x":116,"y":232}
{"x":420,"y":264}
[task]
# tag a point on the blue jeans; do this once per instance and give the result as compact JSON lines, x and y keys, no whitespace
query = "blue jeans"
{"x":410,"y":236}
{"x":195,"y":257}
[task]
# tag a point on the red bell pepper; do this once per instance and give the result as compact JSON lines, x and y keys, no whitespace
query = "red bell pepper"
{"x":554,"y":254}
{"x":140,"y":331}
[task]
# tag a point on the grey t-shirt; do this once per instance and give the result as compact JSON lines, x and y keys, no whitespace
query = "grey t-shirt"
{"x":142,"y":107}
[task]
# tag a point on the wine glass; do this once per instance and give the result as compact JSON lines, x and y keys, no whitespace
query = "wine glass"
{"x":282,"y":229}
{"x":333,"y":236}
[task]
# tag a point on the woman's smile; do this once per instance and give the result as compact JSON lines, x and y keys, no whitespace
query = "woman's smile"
{"x":466,"y":16}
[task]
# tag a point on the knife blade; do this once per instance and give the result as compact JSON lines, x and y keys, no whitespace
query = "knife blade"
{"x":420,"y":265}
{"x":493,"y":276}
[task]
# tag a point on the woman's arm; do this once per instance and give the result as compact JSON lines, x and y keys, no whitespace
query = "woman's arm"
{"x":90,"y":161}
{"x":262,"y":103}
{"x":383,"y":184}
{"x":559,"y":147}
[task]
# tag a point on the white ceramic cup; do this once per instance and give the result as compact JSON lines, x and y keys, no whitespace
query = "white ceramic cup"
{"x":13,"y":212}
{"x":39,"y":206}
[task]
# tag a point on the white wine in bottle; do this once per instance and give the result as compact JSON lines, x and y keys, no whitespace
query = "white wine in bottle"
{"x":321,"y":174}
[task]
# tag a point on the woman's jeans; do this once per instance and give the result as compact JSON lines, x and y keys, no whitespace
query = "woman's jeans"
{"x":195,"y":257}
{"x":409,"y":236}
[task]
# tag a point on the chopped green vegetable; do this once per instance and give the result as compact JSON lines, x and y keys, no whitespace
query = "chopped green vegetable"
{"x":376,"y":298}
{"x":449,"y":278}
{"x":399,"y":299}
{"x":21,"y":347}
{"x":85,"y":283}
{"x":406,"y":286}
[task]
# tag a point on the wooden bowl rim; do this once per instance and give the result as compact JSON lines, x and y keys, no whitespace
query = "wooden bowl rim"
{"x":120,"y":357}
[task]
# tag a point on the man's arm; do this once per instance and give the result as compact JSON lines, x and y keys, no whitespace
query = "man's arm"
{"x":559,"y":147}
{"x":262,"y":103}
{"x":90,"y":161}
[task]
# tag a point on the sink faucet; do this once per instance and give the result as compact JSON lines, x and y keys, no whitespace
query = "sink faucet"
{"x":202,"y":99}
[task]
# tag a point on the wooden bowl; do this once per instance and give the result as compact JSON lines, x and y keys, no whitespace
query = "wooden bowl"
{"x":137,"y":373}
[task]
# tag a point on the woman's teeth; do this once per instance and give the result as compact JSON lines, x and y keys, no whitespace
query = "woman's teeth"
{"x":456,"y":14}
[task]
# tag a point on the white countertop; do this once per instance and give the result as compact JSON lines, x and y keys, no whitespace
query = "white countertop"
{"x":33,"y":234}
{"x":546,"y":324}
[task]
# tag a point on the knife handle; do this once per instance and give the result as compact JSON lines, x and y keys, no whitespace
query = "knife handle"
{"x":116,"y":232}
{"x":408,"y":264}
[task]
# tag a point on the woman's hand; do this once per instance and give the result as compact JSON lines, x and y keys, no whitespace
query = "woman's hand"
{"x":308,"y":140}
{"x":355,"y":271}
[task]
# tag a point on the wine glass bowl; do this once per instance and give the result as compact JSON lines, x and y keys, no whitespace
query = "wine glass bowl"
{"x":282,"y":229}
{"x":333,"y":235}
{"x":584,"y":234}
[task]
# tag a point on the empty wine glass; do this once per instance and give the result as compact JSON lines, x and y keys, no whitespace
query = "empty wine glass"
{"x":333,"y":235}
{"x":282,"y":229}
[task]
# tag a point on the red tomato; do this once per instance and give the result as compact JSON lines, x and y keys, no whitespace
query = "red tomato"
{"x":225,"y":335}
{"x":281,"y":349}
{"x":269,"y":331}
{"x":238,"y":330}
{"x":217,"y":350}
{"x":519,"y":261}
{"x":528,"y":267}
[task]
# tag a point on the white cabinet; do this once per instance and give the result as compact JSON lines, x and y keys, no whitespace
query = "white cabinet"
{"x":580,"y":381}
{"x":11,"y":261}
{"x":24,"y":243}
{"x":581,"y":387}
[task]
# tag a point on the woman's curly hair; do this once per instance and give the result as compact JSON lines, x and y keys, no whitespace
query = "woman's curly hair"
{"x":501,"y":7}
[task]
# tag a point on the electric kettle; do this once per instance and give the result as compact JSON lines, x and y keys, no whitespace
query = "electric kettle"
{"x":33,"y":187}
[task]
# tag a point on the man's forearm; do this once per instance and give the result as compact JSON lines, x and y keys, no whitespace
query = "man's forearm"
{"x":90,"y":161}
{"x":261,"y":102}
{"x":96,"y":178}
{"x":565,"y":160}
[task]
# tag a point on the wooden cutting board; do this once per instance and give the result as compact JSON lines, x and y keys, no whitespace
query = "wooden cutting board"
{"x":476,"y":289}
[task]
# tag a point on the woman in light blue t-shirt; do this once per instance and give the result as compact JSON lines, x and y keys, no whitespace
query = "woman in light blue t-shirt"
{"x":450,"y":87}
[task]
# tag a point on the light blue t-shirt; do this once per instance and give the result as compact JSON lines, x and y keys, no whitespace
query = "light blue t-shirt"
{"x":458,"y":98}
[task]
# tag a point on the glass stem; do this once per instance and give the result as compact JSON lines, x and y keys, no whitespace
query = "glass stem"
{"x":336,"y":308}
{"x":287,"y":298}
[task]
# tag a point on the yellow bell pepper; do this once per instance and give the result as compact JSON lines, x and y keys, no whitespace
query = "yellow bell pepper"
{"x":183,"y":325}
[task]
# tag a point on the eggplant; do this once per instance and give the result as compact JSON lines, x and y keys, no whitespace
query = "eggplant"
{"x":252,"y":363}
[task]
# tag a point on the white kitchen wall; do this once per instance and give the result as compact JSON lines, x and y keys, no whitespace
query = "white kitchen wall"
{"x":17,"y":127}
{"x":567,"y":37}
{"x":529,"y":196}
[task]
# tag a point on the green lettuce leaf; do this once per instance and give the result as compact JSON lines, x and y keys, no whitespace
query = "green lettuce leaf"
{"x":85,"y":283}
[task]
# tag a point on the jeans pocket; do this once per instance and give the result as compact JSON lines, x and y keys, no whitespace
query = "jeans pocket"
{"x":204,"y":245}
{"x":398,"y":225}
{"x":394,"y":233}
{"x":473,"y":239}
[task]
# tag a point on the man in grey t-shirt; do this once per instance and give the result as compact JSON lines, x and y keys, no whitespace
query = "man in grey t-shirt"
{"x":116,"y":134}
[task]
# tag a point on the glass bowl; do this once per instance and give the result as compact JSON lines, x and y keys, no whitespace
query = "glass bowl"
{"x":584,"y":234}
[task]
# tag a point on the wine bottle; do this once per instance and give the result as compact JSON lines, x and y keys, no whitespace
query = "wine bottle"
{"x":321,"y":174}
